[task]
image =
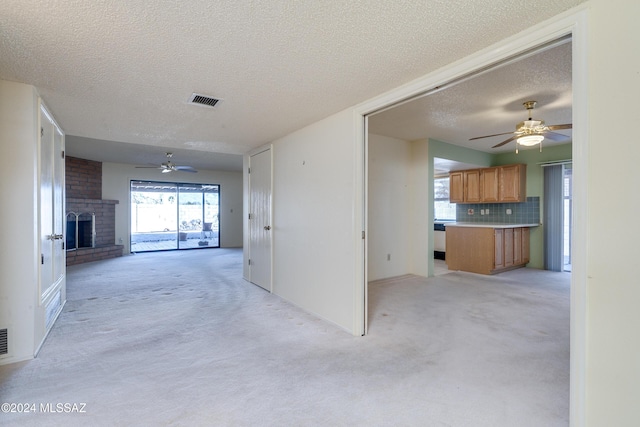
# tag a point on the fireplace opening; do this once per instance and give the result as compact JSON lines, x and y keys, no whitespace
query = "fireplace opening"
{"x":80,"y":230}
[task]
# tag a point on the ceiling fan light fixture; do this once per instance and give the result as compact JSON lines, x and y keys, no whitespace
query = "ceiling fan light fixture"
{"x":530,"y":140}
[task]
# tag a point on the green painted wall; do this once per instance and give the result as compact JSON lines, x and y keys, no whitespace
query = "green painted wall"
{"x":535,"y":183}
{"x":453,"y":152}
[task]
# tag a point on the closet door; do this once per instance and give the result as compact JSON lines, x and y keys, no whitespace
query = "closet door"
{"x":51,"y":162}
{"x":59,"y":217}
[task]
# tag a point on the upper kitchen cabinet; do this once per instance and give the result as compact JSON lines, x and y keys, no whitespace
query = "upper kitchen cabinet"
{"x":456,"y":187}
{"x":472,"y":188}
{"x":513,"y":183}
{"x":464,"y":186}
{"x":498,"y":184}
{"x":489,"y":183}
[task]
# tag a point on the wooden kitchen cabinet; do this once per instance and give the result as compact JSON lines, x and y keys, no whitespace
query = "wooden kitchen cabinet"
{"x":490,"y":185}
{"x":456,"y":187}
{"x":517,"y":245}
{"x":525,"y":245}
{"x":513,"y":183}
{"x":520,"y":245}
{"x":498,"y":248}
{"x":472,"y":189}
{"x":487,"y":250}
{"x":508,"y":247}
{"x":499,"y":184}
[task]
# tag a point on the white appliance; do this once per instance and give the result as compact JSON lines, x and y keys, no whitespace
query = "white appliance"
{"x":439,"y":239}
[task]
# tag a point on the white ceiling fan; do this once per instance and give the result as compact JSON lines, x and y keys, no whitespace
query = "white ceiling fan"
{"x":168,"y":166}
{"x":531,"y":132}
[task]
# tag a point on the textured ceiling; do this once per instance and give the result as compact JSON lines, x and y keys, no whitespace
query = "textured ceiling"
{"x":123,"y":70}
{"x":489,"y":103}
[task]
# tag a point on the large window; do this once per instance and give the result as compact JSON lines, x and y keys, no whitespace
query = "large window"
{"x":442,"y":208}
{"x":166,"y":216}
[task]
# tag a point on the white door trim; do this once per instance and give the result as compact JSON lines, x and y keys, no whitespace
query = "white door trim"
{"x":572,"y":22}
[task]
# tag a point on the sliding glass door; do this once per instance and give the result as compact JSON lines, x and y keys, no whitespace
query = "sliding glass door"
{"x":166,"y":216}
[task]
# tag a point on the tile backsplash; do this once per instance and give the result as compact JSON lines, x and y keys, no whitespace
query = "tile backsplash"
{"x":521,"y":213}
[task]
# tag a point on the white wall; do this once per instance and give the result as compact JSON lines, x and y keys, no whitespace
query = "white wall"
{"x":313,"y":217}
{"x":421,"y":254}
{"x":398,"y":204}
{"x":389,"y":207}
{"x":613,"y":291}
{"x":116,"y":178}
{"x":19,"y":238}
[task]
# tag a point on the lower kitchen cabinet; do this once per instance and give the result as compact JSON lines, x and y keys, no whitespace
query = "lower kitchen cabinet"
{"x":487,"y":250}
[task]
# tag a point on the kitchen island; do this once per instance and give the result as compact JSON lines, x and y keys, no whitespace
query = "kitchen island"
{"x":487,"y":248}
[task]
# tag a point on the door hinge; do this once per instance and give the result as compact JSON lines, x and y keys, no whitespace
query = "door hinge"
{"x":63,"y":154}
{"x":248,"y":170}
{"x":249,"y":262}
{"x":42,"y":259}
{"x":363,"y":235}
{"x":63,"y":246}
{"x":249,"y":216}
{"x":41,"y":132}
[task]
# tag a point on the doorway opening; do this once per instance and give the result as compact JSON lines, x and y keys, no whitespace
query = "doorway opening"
{"x":574,"y":26}
{"x":170,"y":216}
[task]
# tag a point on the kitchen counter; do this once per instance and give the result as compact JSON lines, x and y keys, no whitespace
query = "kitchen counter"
{"x":488,"y":225}
{"x":487,"y":248}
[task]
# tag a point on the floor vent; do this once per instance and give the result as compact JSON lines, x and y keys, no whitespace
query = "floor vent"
{"x":4,"y":341}
{"x":204,"y":100}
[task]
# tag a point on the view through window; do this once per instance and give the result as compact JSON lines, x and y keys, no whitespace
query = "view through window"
{"x":167,"y":216}
{"x":443,"y":210}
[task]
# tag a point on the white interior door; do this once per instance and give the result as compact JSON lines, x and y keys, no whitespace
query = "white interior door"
{"x":52,"y":217}
{"x":260,"y":219}
{"x":59,"y":216}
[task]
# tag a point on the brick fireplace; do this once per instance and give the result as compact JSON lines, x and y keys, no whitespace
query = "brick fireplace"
{"x":83,"y":186}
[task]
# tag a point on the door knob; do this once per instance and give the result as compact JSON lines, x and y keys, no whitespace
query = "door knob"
{"x":267,"y":227}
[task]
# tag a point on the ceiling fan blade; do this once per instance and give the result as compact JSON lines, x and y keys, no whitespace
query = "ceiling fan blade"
{"x":505,"y":141}
{"x":559,"y":127}
{"x":489,"y":136}
{"x":148,"y":167}
{"x":556,"y":136}
{"x":185,"y":169}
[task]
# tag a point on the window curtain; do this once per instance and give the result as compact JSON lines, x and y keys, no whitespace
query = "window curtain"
{"x":553,"y":217}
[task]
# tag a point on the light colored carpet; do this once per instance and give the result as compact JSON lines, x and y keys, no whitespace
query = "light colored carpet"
{"x":180,"y":339}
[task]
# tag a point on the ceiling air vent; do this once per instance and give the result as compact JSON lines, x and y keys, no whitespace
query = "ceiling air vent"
{"x":204,"y":100}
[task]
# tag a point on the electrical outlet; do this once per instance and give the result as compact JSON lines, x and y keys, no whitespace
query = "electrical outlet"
{"x":486,"y":211}
{"x":469,"y":211}
{"x":481,"y":211}
{"x":508,"y":211}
